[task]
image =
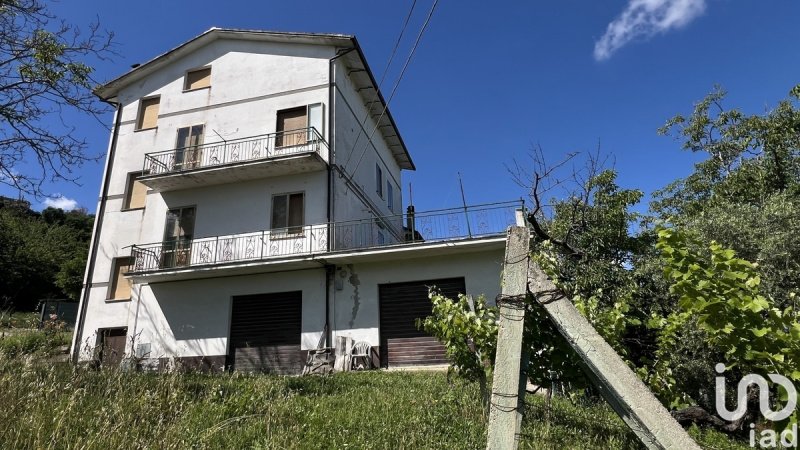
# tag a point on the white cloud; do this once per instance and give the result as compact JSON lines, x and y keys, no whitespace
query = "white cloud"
{"x":645,"y":18}
{"x":61,"y":202}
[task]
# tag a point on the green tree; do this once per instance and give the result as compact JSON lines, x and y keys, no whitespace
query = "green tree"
{"x":41,"y":257}
{"x":746,"y":193}
{"x":44,"y":74}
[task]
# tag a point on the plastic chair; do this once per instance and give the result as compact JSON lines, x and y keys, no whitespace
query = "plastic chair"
{"x":361,"y":349}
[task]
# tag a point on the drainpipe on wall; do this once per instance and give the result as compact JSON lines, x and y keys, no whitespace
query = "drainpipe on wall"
{"x":98,"y":224}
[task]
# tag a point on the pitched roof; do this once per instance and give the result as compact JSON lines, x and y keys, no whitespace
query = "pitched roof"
{"x":359,"y":72}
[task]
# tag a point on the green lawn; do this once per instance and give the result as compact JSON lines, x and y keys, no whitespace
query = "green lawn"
{"x":56,"y":406}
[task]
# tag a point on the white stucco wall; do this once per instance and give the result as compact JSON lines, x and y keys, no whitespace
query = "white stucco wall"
{"x":358,"y":150}
{"x":355,"y":307}
{"x":192,"y":318}
{"x":250,"y":82}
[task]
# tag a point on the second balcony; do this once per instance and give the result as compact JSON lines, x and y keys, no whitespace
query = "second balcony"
{"x":268,"y":155}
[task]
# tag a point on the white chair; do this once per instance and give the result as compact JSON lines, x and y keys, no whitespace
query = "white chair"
{"x":361,"y":350}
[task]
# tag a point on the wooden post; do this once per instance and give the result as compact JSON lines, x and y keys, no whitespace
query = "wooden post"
{"x":505,"y":404}
{"x":623,"y":390}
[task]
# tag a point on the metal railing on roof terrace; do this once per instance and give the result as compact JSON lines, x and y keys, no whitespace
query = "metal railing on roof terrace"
{"x":249,"y":149}
{"x":472,"y":222}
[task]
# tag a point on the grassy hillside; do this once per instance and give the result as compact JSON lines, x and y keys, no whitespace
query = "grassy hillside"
{"x":58,"y":407}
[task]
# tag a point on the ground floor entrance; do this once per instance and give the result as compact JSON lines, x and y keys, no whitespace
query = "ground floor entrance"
{"x":402,"y":343}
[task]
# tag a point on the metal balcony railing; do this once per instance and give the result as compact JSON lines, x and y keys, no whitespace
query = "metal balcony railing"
{"x":255,"y":148}
{"x":471,"y":222}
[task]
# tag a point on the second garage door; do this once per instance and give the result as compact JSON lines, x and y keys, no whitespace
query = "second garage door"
{"x":401,"y":304}
{"x":265,"y":333}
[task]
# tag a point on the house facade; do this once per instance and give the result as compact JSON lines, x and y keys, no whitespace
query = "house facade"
{"x":252,"y":210}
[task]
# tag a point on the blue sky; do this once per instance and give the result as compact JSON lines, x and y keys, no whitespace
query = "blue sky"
{"x":490,"y":79}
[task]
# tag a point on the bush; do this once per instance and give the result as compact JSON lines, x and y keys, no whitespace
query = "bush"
{"x":32,"y":342}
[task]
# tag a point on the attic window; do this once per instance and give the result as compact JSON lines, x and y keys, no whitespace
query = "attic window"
{"x":197,"y":79}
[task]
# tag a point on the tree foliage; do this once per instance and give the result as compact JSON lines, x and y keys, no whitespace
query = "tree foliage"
{"x":709,"y":274}
{"x":44,"y":74}
{"x":42,"y":255}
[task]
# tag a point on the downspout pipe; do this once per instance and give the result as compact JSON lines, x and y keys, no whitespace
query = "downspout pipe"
{"x":98,"y":225}
{"x":330,"y":270}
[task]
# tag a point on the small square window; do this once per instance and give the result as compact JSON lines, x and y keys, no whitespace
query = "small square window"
{"x":379,"y":181}
{"x":148,"y":113}
{"x":197,"y":79}
{"x":135,"y":192}
{"x":120,"y":287}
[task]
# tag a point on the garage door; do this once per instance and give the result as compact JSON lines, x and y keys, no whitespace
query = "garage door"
{"x":401,"y":304}
{"x":265,"y":333}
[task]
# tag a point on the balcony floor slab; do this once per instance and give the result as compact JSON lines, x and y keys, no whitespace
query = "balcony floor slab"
{"x":235,"y":172}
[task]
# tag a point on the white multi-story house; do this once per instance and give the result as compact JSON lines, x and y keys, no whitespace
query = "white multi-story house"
{"x":251,"y":210}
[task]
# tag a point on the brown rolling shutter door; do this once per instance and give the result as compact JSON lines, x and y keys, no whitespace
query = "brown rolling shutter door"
{"x":265,"y":333}
{"x":401,"y":304}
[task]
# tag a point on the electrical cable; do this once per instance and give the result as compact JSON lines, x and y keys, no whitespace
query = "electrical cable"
{"x":397,"y":83}
{"x":383,"y":77}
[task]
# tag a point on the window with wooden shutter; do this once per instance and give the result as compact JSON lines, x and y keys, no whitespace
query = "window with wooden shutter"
{"x":120,"y":288}
{"x":197,"y":79}
{"x":148,"y":113}
{"x":291,"y":127}
{"x":136,"y":192}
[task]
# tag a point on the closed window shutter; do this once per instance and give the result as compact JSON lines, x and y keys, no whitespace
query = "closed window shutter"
{"x":289,"y":120}
{"x":138,"y":195}
{"x":148,"y":113}
{"x":197,"y":79}
{"x":121,"y":286}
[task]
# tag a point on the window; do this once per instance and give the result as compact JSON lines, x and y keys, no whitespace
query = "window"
{"x":135,"y":192}
{"x":390,"y":195}
{"x":197,"y":79}
{"x":188,"y":154}
{"x":294,"y":126}
{"x":178,"y":234}
{"x":291,"y":127}
{"x":378,"y":180}
{"x":148,"y":113}
{"x":288,"y":212}
{"x":120,"y":288}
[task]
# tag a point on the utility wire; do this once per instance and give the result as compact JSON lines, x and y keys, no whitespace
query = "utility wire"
{"x":397,"y":83}
{"x":383,"y":77}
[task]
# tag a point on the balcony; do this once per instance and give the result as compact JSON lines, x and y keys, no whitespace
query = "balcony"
{"x":402,"y":230}
{"x":268,"y":155}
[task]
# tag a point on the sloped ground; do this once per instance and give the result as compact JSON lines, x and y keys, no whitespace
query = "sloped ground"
{"x":56,"y":406}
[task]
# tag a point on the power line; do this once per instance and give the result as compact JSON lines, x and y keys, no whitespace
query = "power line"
{"x":383,"y":77}
{"x":397,"y":83}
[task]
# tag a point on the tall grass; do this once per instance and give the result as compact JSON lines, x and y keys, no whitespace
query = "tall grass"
{"x":58,"y":406}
